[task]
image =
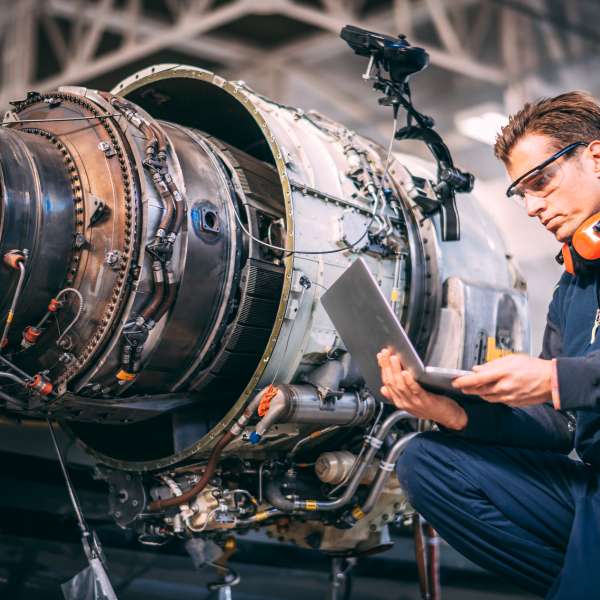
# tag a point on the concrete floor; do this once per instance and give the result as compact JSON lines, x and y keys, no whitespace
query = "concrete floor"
{"x":31,"y":569}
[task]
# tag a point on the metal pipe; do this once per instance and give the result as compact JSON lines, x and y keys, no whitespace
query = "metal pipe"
{"x":10,"y":400}
{"x":169,"y":296}
{"x":168,"y":201}
{"x":303,"y":404}
{"x":260,"y":516}
{"x":374,"y":444}
{"x":277,"y":499}
{"x":386,"y":467}
{"x":312,"y":436}
{"x":77,"y":315}
{"x":13,"y":306}
{"x":16,"y":369}
{"x":13,"y":378}
{"x":212,"y":462}
{"x":179,"y":204}
{"x":158,"y":292}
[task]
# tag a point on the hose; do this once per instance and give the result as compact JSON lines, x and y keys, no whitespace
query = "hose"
{"x":164,"y":289}
{"x":213,"y":461}
{"x":169,"y":296}
{"x":158,"y":294}
{"x":211,"y":467}
{"x":277,"y":499}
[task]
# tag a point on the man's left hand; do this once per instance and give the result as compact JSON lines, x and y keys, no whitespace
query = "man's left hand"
{"x":516,"y":380}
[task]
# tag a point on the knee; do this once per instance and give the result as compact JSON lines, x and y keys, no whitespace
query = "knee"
{"x":417,"y":466}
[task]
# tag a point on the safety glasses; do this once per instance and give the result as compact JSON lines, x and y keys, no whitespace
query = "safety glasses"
{"x":543,"y":179}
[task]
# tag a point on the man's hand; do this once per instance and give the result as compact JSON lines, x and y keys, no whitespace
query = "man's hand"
{"x":400,"y":387}
{"x":516,"y":380}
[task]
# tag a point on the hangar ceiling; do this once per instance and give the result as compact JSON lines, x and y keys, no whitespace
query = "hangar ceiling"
{"x":481,"y":50}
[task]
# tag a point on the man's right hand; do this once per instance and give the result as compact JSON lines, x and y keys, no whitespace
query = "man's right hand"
{"x":401,"y":388}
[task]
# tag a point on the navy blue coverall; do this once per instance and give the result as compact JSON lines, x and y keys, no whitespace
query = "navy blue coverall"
{"x":503,"y":491}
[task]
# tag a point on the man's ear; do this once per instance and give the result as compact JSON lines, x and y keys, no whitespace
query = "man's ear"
{"x":594,"y":150}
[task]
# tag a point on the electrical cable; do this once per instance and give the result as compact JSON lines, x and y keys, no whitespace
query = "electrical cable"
{"x":348,"y":246}
{"x":18,"y":121}
{"x":77,"y":315}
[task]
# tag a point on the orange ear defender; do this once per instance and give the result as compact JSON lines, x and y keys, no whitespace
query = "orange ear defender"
{"x":582,"y":253}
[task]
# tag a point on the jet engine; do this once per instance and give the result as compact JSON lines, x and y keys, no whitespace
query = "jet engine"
{"x":164,"y":249}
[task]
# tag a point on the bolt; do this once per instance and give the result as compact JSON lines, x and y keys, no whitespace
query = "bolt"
{"x":107,"y":148}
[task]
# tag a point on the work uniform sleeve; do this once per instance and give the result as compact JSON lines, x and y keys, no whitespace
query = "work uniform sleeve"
{"x":579,"y":382}
{"x":539,"y":426}
{"x":578,"y":379}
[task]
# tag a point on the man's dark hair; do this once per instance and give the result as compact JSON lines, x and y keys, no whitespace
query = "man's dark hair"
{"x":567,"y":118}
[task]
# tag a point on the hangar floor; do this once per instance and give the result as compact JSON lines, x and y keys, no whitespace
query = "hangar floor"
{"x":39,"y":547}
{"x":33,"y":569}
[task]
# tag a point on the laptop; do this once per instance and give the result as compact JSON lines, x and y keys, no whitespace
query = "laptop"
{"x":366,"y":323}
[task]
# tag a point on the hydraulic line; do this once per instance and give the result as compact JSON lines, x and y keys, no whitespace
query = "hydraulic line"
{"x":18,"y":262}
{"x":168,"y":202}
{"x":14,"y":368}
{"x":260,"y":516}
{"x":14,"y":378}
{"x":277,"y":499}
{"x":158,"y":295}
{"x":312,"y":436}
{"x":374,"y":444}
{"x":164,"y":290}
{"x":385,"y":469}
{"x":169,"y":297}
{"x":212,"y":462}
{"x":211,"y":466}
{"x":77,"y":315}
{"x":9,"y":400}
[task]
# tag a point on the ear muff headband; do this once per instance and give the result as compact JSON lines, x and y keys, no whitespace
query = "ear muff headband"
{"x":583,"y":252}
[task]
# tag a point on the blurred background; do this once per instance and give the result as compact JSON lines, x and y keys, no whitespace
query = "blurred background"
{"x":488,"y":57}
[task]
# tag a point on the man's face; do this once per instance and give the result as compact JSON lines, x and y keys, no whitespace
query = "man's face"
{"x":574,"y":199}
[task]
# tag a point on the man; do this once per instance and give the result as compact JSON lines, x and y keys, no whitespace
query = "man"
{"x":496,"y":481}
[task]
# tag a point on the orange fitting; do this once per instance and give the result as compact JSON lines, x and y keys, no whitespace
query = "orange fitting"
{"x":123,"y":375}
{"x":230,"y":545}
{"x":31,"y":334}
{"x":12,"y":258}
{"x":265,"y":400}
{"x":41,"y":385}
{"x":54,"y":305}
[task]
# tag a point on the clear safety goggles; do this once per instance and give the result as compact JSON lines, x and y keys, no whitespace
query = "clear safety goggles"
{"x":543,"y":179}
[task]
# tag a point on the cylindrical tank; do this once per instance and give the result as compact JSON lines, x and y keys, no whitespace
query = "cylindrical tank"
{"x":200,"y":224}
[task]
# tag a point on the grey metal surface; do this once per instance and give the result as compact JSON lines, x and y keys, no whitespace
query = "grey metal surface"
{"x":367,"y":324}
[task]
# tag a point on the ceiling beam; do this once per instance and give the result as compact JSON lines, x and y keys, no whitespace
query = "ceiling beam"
{"x":207,"y":47}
